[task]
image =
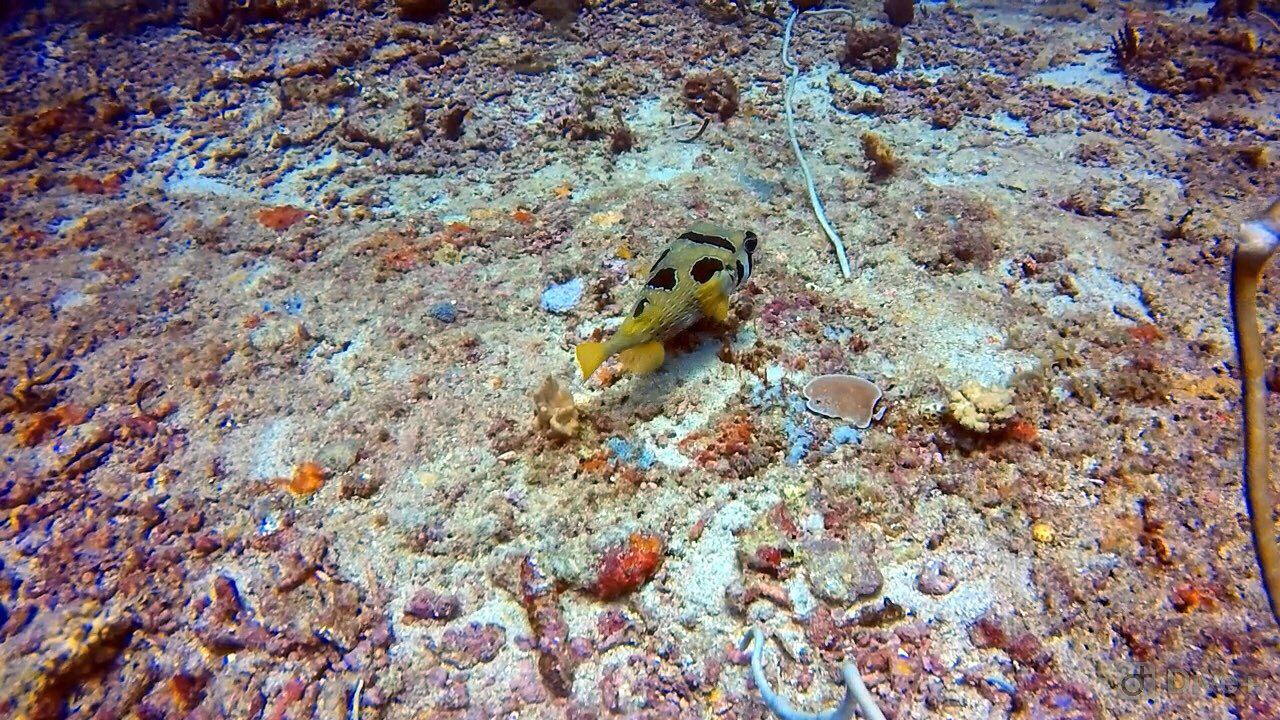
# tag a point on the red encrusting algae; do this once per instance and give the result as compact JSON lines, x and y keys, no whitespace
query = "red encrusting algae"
{"x":39,"y":426}
{"x":307,"y":478}
{"x":281,"y":217}
{"x":628,"y":566}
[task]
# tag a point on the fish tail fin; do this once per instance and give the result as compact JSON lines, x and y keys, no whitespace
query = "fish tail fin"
{"x":643,"y":358}
{"x":590,"y":356}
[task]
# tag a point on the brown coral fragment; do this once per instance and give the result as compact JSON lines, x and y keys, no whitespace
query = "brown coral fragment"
{"x":427,"y":604}
{"x":1124,"y":45}
{"x":621,"y":138}
{"x":27,"y":394}
{"x":39,"y":426}
{"x":223,"y":17}
{"x":848,"y":397}
{"x":734,"y":449}
{"x":451,"y":120}
{"x":872,"y":47}
{"x":958,"y":230}
{"x":901,"y":12}
{"x":723,"y":11}
{"x":557,"y":12}
{"x":841,"y":573}
{"x":713,"y":94}
{"x":881,"y":161}
{"x":72,"y":124}
{"x":422,"y":9}
{"x":1190,"y":59}
{"x":540,"y":597}
{"x":554,"y":411}
{"x":1233,"y":8}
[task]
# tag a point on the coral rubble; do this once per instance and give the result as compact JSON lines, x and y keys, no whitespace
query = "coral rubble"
{"x":713,"y":94}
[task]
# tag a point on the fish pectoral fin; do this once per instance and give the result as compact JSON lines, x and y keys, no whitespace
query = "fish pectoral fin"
{"x":643,"y":358}
{"x":630,"y":327}
{"x":713,"y":302}
{"x":589,"y":355}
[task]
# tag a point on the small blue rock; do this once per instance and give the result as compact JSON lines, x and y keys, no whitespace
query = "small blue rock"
{"x":646,"y":459}
{"x":845,"y":435}
{"x":801,"y":439}
{"x":561,"y":298}
{"x":620,"y":448}
{"x":842,"y":435}
{"x":1002,"y":685}
{"x":445,"y":312}
{"x":643,"y":457}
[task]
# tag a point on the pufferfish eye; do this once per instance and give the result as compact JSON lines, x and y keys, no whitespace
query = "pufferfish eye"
{"x":751,"y":241}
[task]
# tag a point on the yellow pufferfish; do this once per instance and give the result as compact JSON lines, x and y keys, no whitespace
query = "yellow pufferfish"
{"x":692,"y":278}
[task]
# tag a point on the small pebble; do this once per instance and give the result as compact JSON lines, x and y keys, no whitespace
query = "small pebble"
{"x":339,"y":455}
{"x":364,"y":485}
{"x":1042,"y":532}
{"x":445,"y":312}
{"x":561,"y":298}
{"x":935,"y":579}
{"x":428,"y":604}
{"x":471,"y":645}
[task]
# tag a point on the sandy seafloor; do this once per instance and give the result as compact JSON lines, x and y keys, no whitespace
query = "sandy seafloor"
{"x":238,"y":260}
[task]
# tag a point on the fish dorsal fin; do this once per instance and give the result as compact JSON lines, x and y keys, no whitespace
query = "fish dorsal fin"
{"x":703,"y":227}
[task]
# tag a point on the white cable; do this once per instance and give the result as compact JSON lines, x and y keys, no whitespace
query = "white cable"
{"x":794,"y":70}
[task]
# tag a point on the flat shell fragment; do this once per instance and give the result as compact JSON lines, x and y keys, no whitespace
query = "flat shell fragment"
{"x":848,"y":397}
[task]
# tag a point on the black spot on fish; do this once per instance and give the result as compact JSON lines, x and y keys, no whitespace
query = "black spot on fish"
{"x":640,"y":306}
{"x":751,"y":241}
{"x":705,"y":269}
{"x":741,"y":272}
{"x":711,"y":240}
{"x":664,"y":279}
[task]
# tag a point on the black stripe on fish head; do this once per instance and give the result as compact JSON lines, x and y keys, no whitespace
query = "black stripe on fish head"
{"x":740,"y":273}
{"x":750,"y":240}
{"x":640,"y":306}
{"x":664,"y":279}
{"x":705,"y":269}
{"x":712,"y":240}
{"x":661,"y":257}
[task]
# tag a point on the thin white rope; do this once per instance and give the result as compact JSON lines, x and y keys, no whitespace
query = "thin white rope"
{"x":857,"y":698}
{"x":787,"y":93}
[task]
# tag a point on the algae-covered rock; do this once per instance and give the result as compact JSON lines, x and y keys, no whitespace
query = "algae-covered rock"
{"x":339,"y":455}
{"x":841,"y":572}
